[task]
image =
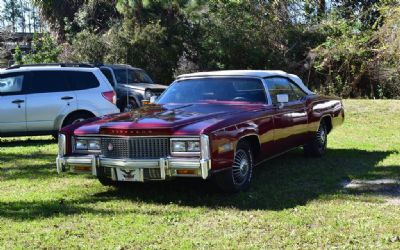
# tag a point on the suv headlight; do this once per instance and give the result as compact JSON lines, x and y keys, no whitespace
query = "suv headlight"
{"x":148,"y":94}
{"x":87,"y":144}
{"x":186,"y":146}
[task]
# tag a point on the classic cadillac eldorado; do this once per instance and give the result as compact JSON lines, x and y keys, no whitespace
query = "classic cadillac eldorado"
{"x":217,"y":125}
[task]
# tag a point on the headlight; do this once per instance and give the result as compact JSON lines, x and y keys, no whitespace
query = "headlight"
{"x":148,"y":94}
{"x":81,"y":145}
{"x":179,"y":146}
{"x":185,"y":146}
{"x":193,"y":146}
{"x":94,"y":145}
{"x":87,"y":144}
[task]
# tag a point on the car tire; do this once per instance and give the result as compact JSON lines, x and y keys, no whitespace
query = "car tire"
{"x":131,"y":105}
{"x":238,"y":177}
{"x":317,"y":146}
{"x":77,"y":117}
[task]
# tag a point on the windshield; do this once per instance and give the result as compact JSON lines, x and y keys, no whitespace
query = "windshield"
{"x":215,"y":89}
{"x":131,"y":76}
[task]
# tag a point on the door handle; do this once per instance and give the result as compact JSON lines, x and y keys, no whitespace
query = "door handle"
{"x":67,"y":98}
{"x":18,"y":101}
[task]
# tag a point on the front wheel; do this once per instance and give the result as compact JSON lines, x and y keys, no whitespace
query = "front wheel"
{"x":238,"y":177}
{"x":131,"y":105}
{"x":317,"y":146}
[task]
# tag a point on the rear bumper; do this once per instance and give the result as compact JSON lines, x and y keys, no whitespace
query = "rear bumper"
{"x":160,"y":169}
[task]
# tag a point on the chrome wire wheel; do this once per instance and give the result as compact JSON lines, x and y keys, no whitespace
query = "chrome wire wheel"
{"x":241,"y":167}
{"x":321,"y":136}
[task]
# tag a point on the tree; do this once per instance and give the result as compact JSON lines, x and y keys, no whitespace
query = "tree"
{"x":12,"y":13}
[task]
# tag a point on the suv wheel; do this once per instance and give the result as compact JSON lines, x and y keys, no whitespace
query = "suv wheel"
{"x":77,"y":117}
{"x":131,"y":105}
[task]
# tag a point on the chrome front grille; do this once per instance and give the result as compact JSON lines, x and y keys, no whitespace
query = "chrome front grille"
{"x":135,"y":148}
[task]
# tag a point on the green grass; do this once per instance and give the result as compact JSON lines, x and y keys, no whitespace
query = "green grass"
{"x":294,"y":202}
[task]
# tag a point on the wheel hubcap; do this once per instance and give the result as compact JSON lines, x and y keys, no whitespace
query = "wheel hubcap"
{"x":240,"y":167}
{"x":128,"y":107}
{"x":321,"y":136}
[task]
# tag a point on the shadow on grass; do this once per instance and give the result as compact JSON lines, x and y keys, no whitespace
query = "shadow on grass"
{"x":31,"y":172}
{"x":25,"y":142}
{"x":285,"y":182}
{"x":281,"y":183}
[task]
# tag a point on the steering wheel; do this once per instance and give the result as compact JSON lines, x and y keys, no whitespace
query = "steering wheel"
{"x":240,"y":98}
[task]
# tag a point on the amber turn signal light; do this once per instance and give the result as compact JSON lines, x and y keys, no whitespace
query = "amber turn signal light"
{"x":83,"y":168}
{"x":186,"y":171}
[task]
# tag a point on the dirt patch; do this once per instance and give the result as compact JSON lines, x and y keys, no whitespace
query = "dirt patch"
{"x":388,"y":188}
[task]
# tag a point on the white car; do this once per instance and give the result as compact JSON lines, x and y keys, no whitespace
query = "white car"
{"x":40,"y":99}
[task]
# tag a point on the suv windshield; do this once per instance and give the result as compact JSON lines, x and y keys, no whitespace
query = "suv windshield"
{"x":131,"y":76}
{"x":215,"y":89}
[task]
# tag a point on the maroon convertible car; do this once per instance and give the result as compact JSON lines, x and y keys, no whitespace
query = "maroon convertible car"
{"x":215,"y":125}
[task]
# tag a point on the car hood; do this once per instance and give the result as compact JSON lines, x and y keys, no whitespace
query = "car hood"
{"x":169,"y":119}
{"x":144,"y":86}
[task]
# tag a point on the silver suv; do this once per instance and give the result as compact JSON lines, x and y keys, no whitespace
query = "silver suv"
{"x":40,"y":99}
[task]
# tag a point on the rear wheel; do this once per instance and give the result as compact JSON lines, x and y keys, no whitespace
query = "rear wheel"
{"x":238,"y":177}
{"x":317,"y":146}
{"x":77,"y":117}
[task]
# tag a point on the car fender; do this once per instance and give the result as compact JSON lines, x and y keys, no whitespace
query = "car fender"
{"x":58,"y":122}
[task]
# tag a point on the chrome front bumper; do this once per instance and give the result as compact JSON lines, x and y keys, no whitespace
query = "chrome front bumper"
{"x":167,"y":167}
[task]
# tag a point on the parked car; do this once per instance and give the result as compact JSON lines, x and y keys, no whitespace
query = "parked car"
{"x":133,"y":85}
{"x":40,"y":99}
{"x":210,"y":125}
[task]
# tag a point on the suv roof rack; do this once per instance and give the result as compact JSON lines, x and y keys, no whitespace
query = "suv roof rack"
{"x":78,"y":65}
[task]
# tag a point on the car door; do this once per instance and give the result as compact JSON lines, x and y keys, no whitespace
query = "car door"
{"x":12,"y":103}
{"x":290,"y":119}
{"x":49,"y":97}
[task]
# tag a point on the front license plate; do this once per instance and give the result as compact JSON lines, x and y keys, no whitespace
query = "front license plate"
{"x":129,"y":174}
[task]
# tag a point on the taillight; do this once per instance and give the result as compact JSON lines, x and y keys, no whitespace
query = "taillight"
{"x":110,"y":96}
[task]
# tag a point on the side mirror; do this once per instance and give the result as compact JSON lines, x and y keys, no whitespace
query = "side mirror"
{"x":282,"y":99}
{"x":153,"y":99}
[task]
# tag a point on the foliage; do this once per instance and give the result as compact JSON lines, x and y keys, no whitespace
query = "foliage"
{"x":88,"y":47}
{"x":44,"y":50}
{"x":17,"y":56}
{"x":340,"y":47}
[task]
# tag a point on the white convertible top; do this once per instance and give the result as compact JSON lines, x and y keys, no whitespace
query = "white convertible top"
{"x":252,"y":73}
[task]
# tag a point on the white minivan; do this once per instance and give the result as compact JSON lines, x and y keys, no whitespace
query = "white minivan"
{"x":40,"y":99}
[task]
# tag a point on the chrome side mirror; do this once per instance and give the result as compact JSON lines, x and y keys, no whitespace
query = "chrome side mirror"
{"x":282,"y":99}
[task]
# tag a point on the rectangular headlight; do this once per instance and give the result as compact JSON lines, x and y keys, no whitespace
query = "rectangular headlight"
{"x":94,"y":144}
{"x":186,"y":146}
{"x":193,"y":146}
{"x":87,"y":144}
{"x":179,"y":146}
{"x":81,"y":144}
